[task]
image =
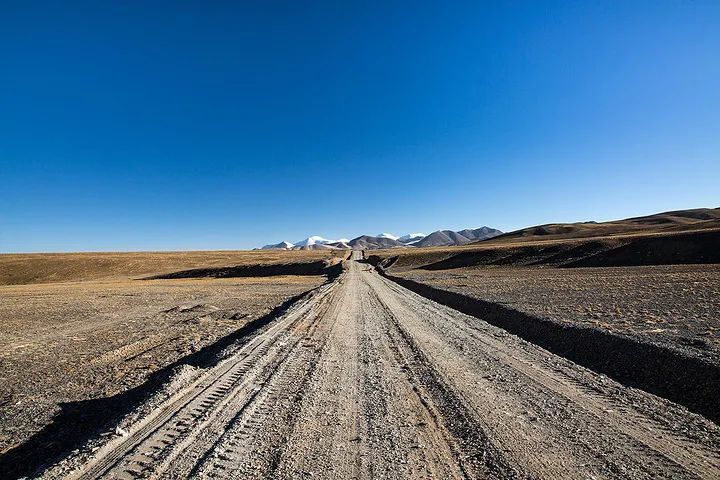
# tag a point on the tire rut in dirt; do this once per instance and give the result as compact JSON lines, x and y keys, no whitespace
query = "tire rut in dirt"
{"x":159,"y":440}
{"x":596,"y":423}
{"x":254,"y":441}
{"x":361,"y":417}
{"x":474,"y":452}
{"x":402,"y":425}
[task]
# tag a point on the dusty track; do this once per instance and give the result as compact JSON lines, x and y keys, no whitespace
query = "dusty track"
{"x":369,"y":380}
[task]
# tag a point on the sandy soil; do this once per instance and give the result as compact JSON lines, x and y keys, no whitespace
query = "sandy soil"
{"x":366,"y":379}
{"x":674,"y":304}
{"x":68,"y":342}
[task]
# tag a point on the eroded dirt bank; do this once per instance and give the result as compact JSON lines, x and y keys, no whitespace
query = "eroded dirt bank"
{"x":648,"y":333}
{"x":369,"y":380}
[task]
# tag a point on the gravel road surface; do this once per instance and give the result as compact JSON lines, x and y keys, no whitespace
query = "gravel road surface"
{"x":366,"y":379}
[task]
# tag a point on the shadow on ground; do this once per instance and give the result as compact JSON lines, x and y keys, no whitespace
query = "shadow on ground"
{"x":699,"y":247}
{"x":311,"y":268}
{"x":78,"y":422}
{"x":676,"y":374}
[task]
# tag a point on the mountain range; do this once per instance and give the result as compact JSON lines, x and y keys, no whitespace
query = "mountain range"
{"x":387,"y":240}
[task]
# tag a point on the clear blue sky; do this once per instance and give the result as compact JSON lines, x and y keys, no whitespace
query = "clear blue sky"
{"x":207,"y":125}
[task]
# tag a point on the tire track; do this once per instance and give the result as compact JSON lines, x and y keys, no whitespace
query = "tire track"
{"x":246,"y":448}
{"x":474,"y":452}
{"x":147,"y":449}
{"x":369,"y":380}
{"x":638,"y":437}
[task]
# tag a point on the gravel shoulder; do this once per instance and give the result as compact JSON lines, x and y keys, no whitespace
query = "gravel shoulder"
{"x":62,"y":344}
{"x":675,"y":305}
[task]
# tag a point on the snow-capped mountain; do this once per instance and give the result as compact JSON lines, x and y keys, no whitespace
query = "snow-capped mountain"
{"x":386,"y":235}
{"x":312,"y":241}
{"x":278,"y":246}
{"x":388,"y":240}
{"x":315,"y":239}
{"x":411,"y":237}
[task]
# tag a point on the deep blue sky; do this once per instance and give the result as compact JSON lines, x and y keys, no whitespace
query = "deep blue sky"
{"x":205,"y":125}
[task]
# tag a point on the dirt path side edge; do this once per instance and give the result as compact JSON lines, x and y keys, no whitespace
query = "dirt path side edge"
{"x":80,"y":421}
{"x":669,"y":373}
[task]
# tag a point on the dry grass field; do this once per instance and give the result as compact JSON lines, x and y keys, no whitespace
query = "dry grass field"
{"x":18,"y":269}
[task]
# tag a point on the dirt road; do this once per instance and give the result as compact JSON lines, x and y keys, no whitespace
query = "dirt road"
{"x":368,"y":380}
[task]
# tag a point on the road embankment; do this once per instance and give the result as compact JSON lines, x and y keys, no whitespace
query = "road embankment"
{"x":68,"y":382}
{"x":665,"y":371}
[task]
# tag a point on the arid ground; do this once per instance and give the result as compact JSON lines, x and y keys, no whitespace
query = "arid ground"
{"x":673,"y":304}
{"x":80,"y":327}
{"x":381,"y":366}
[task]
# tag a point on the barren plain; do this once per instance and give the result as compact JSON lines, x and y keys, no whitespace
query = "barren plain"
{"x":179,"y":367}
{"x":104,"y":332}
{"x":27,"y":268}
{"x":365,"y":379}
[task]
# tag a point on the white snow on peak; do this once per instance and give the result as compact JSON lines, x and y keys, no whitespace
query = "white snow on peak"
{"x":316,"y":239}
{"x":278,"y":246}
{"x":387,"y":235}
{"x":410,"y":236}
{"x":312,"y":241}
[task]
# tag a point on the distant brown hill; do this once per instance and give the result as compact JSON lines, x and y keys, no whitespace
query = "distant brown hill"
{"x":678,"y":237}
{"x":463,"y":237}
{"x":679,"y":220}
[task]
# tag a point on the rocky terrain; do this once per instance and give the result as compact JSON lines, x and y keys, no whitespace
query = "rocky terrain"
{"x":365,"y":379}
{"x":567,"y":351}
{"x":673,"y":304}
{"x":70,"y":351}
{"x":63,"y":344}
{"x":615,"y":297}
